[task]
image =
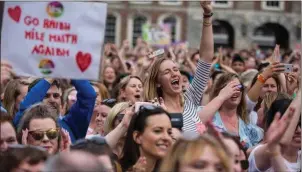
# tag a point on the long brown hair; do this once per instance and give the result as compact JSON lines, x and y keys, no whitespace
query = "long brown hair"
{"x":220,"y":84}
{"x":11,"y":93}
{"x":150,"y":85}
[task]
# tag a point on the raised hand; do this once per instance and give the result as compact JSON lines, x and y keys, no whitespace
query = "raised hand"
{"x":273,"y":68}
{"x":275,"y":57}
{"x":24,"y":136}
{"x":128,"y":116}
{"x":229,"y":90}
{"x":65,"y":141}
{"x":291,"y":83}
{"x":278,"y":127}
{"x":206,"y":6}
{"x":139,"y":166}
{"x":126,"y":45}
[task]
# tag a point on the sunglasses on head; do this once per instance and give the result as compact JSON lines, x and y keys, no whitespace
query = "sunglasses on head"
{"x":241,"y":87}
{"x":54,"y":95}
{"x":146,"y":107}
{"x":39,"y":135}
{"x":109,"y":102}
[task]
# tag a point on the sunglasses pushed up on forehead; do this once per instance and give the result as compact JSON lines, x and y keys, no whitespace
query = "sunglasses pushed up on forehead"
{"x":39,"y":135}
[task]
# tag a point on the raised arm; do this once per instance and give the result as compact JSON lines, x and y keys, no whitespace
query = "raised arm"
{"x":196,"y":89}
{"x":255,"y":90}
{"x":289,"y":133}
{"x":207,"y":40}
{"x":114,"y":136}
{"x":80,"y":113}
{"x":35,"y":95}
{"x":271,"y":149}
{"x":208,"y":111}
{"x":121,"y":55}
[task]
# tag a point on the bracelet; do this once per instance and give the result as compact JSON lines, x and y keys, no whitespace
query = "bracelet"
{"x":208,"y":15}
{"x":261,"y":78}
{"x":207,"y":23}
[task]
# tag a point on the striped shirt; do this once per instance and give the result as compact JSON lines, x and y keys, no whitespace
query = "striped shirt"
{"x":193,"y":97}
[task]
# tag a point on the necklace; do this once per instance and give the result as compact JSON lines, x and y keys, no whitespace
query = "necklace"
{"x":233,"y":124}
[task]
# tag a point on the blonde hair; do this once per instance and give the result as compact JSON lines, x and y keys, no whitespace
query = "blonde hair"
{"x":185,"y":151}
{"x":124,"y":82}
{"x":221,"y":83}
{"x":269,"y":98}
{"x":118,"y":108}
{"x":150,"y":85}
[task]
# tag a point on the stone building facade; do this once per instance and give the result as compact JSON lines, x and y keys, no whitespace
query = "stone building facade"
{"x":237,"y":24}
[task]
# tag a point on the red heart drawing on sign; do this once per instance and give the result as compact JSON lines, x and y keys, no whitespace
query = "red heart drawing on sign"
{"x":15,"y":13}
{"x":83,"y":60}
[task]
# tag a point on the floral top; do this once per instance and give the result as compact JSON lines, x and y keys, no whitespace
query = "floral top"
{"x":250,"y":134}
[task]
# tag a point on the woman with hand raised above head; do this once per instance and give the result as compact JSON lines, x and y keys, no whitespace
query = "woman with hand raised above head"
{"x":164,"y":80}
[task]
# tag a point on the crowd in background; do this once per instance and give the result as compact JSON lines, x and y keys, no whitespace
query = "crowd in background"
{"x":205,"y":109}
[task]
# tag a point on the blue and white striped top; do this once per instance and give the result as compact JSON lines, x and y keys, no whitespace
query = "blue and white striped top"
{"x":193,"y":97}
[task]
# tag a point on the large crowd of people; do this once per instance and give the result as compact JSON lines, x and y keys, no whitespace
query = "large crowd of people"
{"x":186,"y":110}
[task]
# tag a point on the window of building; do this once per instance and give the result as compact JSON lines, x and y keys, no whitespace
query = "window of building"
{"x":141,"y":2}
{"x":110,"y":34}
{"x":138,"y":22}
{"x":171,"y":2}
{"x":272,"y":5}
{"x":222,"y":4}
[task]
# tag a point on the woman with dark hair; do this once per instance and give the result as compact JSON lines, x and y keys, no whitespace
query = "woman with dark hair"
{"x":39,"y":127}
{"x":149,"y":136}
{"x":281,"y":148}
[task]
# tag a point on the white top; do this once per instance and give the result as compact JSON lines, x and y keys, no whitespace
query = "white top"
{"x":250,"y":109}
{"x":292,"y":167}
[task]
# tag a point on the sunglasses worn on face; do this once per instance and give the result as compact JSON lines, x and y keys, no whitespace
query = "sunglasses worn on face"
{"x":54,"y":95}
{"x":109,"y":102}
{"x":39,"y":135}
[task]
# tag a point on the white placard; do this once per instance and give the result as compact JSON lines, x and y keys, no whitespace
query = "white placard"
{"x":54,"y":39}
